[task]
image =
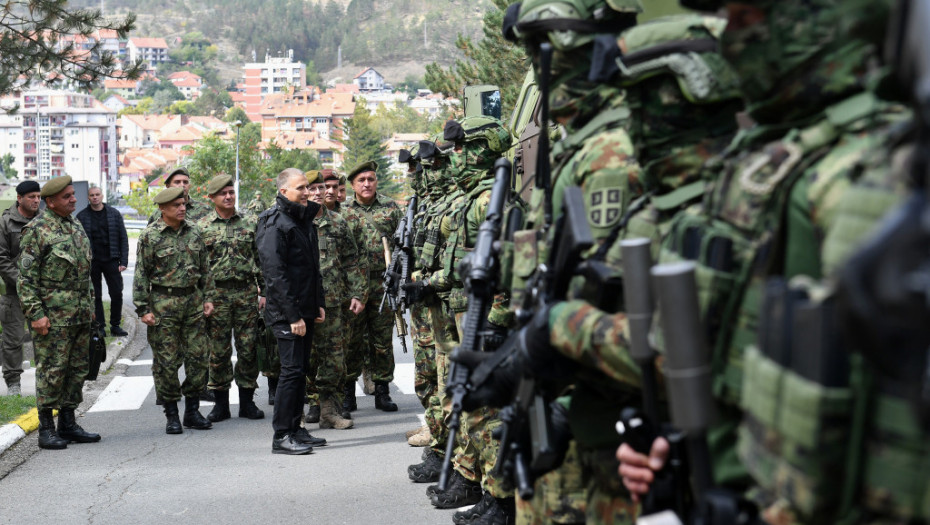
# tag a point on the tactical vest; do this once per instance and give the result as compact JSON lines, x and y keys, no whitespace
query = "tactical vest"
{"x":459,"y":243}
{"x":832,"y":442}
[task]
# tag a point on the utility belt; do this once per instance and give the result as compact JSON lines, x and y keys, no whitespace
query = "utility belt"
{"x":180,"y":291}
{"x":232,"y":284}
{"x":816,"y":433}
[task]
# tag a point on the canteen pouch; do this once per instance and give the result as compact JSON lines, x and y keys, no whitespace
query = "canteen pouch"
{"x":524,"y":264}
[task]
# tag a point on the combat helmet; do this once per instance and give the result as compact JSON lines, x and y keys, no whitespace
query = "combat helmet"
{"x":478,"y":142}
{"x":568,"y":24}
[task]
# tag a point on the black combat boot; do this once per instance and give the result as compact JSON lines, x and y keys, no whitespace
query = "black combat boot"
{"x":461,"y":492}
{"x":48,"y":438}
{"x":70,"y":430}
{"x":247,"y":408}
{"x":467,"y":517}
{"x":348,"y":403}
{"x":501,"y":511}
{"x":174,"y":422}
{"x":428,"y":470}
{"x":272,"y":389}
{"x":383,"y":397}
{"x":220,"y":410}
{"x":192,"y":417}
{"x":207,"y":395}
{"x":313,"y":414}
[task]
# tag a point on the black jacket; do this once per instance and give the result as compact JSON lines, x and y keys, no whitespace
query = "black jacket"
{"x":290,"y":258}
{"x":118,"y":241}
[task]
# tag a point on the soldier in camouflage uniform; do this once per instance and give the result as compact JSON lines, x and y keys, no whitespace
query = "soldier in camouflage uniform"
{"x":196,"y":210}
{"x":430,"y":244}
{"x":230,"y":241}
{"x":257,"y":205}
{"x":58,"y":301}
{"x":174,"y":291}
{"x":342,"y":277}
{"x":371,"y":330}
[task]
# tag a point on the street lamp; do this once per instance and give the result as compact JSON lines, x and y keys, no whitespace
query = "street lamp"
{"x":238,"y":125}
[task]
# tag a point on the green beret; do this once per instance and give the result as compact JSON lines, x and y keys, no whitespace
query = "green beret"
{"x":363,"y":167}
{"x":177,"y":171}
{"x":314,"y":177}
{"x":329,"y":174}
{"x":54,"y":186}
{"x":168,"y":195}
{"x":219,"y":182}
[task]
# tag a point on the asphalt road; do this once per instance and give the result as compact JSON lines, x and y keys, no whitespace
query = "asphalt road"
{"x":139,"y":474}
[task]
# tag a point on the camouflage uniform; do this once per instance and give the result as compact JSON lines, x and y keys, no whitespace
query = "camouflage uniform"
{"x":54,"y":282}
{"x":257,"y":205}
{"x":11,"y":311}
{"x":360,"y":231}
{"x":173,"y":281}
{"x":234,"y":264}
{"x":195,"y":211}
{"x":371,"y":331}
{"x":344,"y":276}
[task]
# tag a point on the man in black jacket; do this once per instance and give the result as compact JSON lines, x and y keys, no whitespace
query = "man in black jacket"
{"x":110,"y":255}
{"x":290,"y":259}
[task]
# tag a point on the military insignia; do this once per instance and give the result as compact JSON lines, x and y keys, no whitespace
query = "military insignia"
{"x":27,"y":261}
{"x":604,"y":206}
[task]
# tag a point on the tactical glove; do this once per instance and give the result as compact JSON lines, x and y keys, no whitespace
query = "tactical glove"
{"x":417,"y":291}
{"x":493,"y":337}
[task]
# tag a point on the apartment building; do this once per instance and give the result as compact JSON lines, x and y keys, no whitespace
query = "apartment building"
{"x":153,"y":51}
{"x":274,"y":75}
{"x":61,"y":133}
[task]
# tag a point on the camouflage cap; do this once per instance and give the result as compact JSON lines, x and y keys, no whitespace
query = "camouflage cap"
{"x":55,"y":185}
{"x":167,"y":195}
{"x":219,"y":182}
{"x":177,"y":171}
{"x":362,"y":168}
{"x":314,"y":177}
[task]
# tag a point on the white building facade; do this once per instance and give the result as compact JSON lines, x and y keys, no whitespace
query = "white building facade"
{"x":58,"y":133}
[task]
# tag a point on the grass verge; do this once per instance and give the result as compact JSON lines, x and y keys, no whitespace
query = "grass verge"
{"x":11,"y":407}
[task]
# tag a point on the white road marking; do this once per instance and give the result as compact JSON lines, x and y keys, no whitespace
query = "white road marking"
{"x":124,"y":393}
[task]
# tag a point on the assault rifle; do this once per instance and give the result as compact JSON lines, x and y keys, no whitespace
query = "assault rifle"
{"x":398,"y":270}
{"x":480,"y":270}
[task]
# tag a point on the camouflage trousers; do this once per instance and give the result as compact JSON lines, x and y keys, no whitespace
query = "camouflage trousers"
{"x":559,"y":496}
{"x":371,"y":345}
{"x":179,"y":337}
{"x":327,"y":373}
{"x":445,"y":337}
{"x":235,"y":315}
{"x":13,"y":322}
{"x":608,"y":502}
{"x":62,"y":361}
{"x":424,"y":354}
{"x":439,"y":407}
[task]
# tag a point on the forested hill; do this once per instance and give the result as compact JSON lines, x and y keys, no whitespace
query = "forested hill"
{"x":380,"y":33}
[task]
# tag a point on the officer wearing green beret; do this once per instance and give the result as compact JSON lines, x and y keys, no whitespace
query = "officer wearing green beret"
{"x":174,"y":292}
{"x":58,"y":300}
{"x":230,"y":240}
{"x":180,"y":178}
{"x":371,"y":344}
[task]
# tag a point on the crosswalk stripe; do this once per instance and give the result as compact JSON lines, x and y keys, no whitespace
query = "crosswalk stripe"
{"x":129,"y":393}
{"x":124,"y":393}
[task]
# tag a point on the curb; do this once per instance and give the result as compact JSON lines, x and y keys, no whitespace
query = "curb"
{"x":14,"y":431}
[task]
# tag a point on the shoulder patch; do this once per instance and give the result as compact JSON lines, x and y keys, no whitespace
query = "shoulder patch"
{"x":27,"y":261}
{"x":604,"y":206}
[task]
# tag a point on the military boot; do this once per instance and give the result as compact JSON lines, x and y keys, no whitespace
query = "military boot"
{"x":192,"y":417}
{"x":207,"y":395}
{"x":313,"y":414}
{"x":428,"y":470}
{"x":467,"y":517}
{"x":383,"y":397}
{"x":501,"y":511}
{"x":421,"y":438}
{"x":174,"y":422}
{"x":70,"y":430}
{"x":272,"y":389}
{"x":410,"y":433}
{"x":247,"y":407}
{"x":461,"y":492}
{"x":348,"y":403}
{"x":331,"y":418}
{"x":220,"y":410}
{"x":48,"y":438}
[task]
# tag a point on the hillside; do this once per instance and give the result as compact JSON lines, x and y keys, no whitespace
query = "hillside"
{"x":398,"y":37}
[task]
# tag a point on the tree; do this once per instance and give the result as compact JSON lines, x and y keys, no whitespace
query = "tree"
{"x":213,"y":155}
{"x":33,"y":45}
{"x":314,"y":78}
{"x":493,"y":60}
{"x":212,"y":101}
{"x":234,"y":114}
{"x":6,"y":167}
{"x":141,"y":201}
{"x":362,"y":142}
